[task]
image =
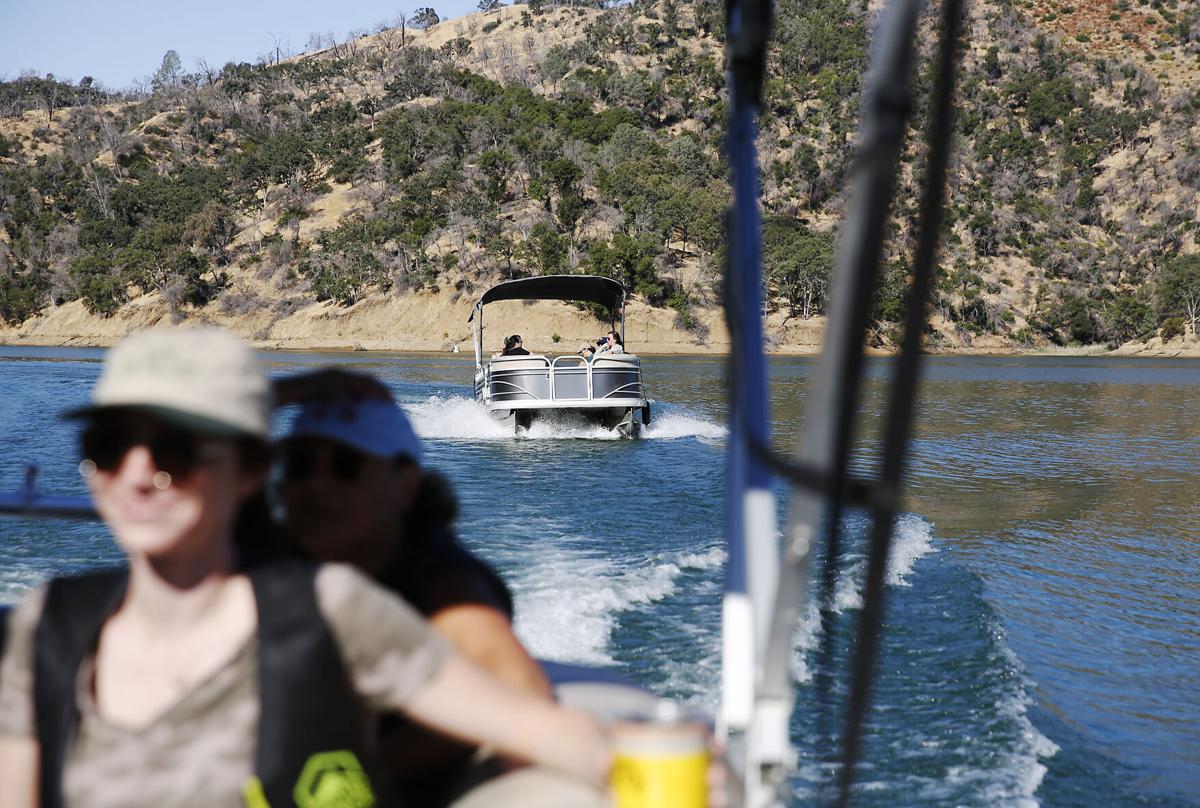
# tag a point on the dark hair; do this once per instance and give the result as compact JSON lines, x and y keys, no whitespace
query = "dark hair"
{"x":509,"y":342}
{"x":435,"y":503}
{"x":254,"y":455}
{"x":617,"y":337}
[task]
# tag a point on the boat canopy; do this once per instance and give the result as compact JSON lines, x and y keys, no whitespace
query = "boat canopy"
{"x":587,"y":288}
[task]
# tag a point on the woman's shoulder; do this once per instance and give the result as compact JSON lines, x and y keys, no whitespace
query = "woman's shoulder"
{"x":438,"y":571}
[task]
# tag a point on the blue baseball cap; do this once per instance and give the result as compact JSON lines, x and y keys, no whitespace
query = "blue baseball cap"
{"x":371,"y":426}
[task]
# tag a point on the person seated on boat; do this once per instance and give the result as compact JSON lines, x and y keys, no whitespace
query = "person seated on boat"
{"x":508,"y":343}
{"x":354,"y":488}
{"x":514,"y":347}
{"x":610,"y":343}
{"x":589,"y":352}
{"x":185,"y":677}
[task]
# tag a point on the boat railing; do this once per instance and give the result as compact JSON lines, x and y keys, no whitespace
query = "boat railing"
{"x":570,"y":379}
{"x":28,"y":501}
{"x":616,"y":376}
{"x":564,"y":378}
{"x":518,"y":378}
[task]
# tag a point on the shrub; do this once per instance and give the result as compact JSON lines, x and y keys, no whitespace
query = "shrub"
{"x":1171,"y":328}
{"x":21,"y":296}
{"x":99,"y":284}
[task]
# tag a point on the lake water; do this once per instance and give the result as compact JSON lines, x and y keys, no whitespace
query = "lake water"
{"x":1042,"y":639}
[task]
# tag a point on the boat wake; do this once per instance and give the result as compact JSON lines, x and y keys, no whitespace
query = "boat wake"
{"x":568,"y":602}
{"x":462,"y":418}
{"x":912,"y":539}
{"x":955,"y":646}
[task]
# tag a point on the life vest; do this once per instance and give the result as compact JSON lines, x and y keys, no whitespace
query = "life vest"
{"x":312,"y":727}
{"x":4,"y":612}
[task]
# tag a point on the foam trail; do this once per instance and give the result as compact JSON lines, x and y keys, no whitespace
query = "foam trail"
{"x":711,"y":558}
{"x":567,"y":602}
{"x":1017,"y":773}
{"x":697,"y":680}
{"x":912,"y":538}
{"x":462,"y":418}
{"x":672,"y":425}
{"x":454,"y":417}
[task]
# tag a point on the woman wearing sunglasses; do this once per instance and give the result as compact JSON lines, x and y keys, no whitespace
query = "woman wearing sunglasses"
{"x":188,"y":678}
{"x":354,"y":489}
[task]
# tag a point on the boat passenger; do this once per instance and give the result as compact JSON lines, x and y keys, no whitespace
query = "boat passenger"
{"x":514,"y":346}
{"x":354,"y":488}
{"x":508,"y":344}
{"x":187,"y":678}
{"x":611,"y":343}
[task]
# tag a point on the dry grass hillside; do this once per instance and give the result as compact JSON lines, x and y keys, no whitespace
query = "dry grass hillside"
{"x":362,"y":195}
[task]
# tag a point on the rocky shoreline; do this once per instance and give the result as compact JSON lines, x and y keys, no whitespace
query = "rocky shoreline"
{"x":438,"y":323}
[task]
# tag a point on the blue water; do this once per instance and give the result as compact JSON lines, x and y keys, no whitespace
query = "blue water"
{"x":1043,"y":622}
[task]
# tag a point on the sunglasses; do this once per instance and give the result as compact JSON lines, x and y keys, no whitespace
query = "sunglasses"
{"x":300,"y":461}
{"x":176,"y":451}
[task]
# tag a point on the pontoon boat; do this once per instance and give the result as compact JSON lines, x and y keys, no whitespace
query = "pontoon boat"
{"x":605,"y":389}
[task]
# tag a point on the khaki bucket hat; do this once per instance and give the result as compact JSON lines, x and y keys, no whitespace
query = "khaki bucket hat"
{"x":202,"y":379}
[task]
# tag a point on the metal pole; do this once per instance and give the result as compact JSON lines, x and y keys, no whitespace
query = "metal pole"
{"x":828,"y":429}
{"x":902,"y":399}
{"x":749,"y":502}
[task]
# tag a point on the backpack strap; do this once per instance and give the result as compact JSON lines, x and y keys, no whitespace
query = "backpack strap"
{"x":74,"y":612}
{"x":313,"y":728}
{"x":5,"y":611}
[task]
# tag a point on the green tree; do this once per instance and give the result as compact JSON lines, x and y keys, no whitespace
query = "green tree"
{"x":633,"y":261}
{"x":99,"y":283}
{"x":168,"y":73}
{"x":1128,"y":316}
{"x":565,"y":175}
{"x":1067,"y":318}
{"x":424,"y":18}
{"x":1177,"y":290}
{"x":670,"y":16}
{"x":556,"y":65}
{"x":21,"y":295}
{"x":275,"y":159}
{"x":549,"y":249}
{"x":497,"y":166}
{"x":211,"y":229}
{"x":798,"y":263}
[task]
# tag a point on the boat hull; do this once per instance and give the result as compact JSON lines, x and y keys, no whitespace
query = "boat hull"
{"x":627,"y":421}
{"x":606,"y":391}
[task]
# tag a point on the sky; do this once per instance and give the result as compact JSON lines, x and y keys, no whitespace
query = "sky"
{"x":120,"y":41}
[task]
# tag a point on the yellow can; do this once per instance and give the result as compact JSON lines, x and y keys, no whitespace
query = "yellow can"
{"x":660,"y":763}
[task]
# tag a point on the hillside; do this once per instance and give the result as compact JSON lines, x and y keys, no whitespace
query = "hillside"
{"x":363,"y":194}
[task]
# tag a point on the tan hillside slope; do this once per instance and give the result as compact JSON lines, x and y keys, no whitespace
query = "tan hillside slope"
{"x":362,"y":195}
